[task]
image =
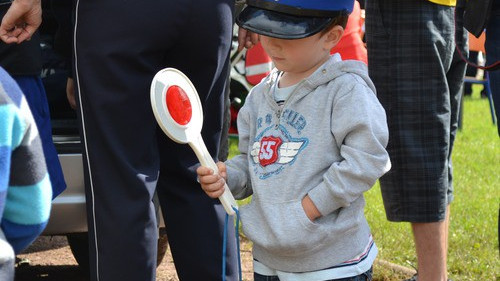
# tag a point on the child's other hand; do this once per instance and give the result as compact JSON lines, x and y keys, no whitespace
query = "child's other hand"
{"x":212,"y":184}
{"x":310,"y":209}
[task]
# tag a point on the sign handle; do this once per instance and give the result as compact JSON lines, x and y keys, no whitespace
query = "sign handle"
{"x":206,"y":160}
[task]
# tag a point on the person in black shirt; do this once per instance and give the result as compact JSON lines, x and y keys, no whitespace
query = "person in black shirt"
{"x":23,"y":61}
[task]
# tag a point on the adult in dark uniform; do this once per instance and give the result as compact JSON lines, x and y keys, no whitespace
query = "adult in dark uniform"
{"x":119,"y":47}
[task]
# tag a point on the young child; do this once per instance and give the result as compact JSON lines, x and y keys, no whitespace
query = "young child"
{"x":25,"y":188}
{"x":312,"y":138}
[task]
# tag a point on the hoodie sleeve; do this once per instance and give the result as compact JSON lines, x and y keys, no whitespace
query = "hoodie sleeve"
{"x":360,"y":129}
{"x":238,"y":177}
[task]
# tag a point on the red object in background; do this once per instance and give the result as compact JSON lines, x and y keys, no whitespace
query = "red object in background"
{"x":233,"y":129}
{"x":257,"y":64}
{"x":178,"y":105}
{"x":351,"y":45}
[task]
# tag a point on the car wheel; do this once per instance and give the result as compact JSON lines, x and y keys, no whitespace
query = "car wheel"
{"x":79,"y":245}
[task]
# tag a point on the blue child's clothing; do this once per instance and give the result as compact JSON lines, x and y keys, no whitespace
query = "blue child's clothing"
{"x":25,"y":188}
{"x":34,"y":91}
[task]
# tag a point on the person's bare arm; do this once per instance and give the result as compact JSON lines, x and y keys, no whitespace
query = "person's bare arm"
{"x":21,"y":20}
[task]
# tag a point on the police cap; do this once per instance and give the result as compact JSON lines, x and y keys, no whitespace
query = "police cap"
{"x":291,"y":19}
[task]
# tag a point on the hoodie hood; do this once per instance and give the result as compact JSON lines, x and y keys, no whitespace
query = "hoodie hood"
{"x":336,"y":67}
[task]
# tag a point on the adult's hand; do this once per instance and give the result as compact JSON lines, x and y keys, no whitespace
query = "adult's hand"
{"x":70,"y":92}
{"x":21,"y":20}
{"x":246,"y":39}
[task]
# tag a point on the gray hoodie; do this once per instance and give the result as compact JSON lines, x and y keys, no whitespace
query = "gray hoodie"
{"x":327,"y":141}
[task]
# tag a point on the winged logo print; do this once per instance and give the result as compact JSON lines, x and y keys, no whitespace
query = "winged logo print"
{"x":271,"y":150}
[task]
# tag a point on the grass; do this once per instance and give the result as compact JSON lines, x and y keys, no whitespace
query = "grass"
{"x":473,"y":235}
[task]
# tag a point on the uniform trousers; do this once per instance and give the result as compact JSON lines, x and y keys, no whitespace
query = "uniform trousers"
{"x":119,"y":46}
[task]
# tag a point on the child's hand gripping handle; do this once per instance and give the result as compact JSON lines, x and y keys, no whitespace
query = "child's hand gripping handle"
{"x":206,"y":160}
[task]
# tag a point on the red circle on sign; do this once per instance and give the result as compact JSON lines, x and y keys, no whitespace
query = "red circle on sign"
{"x":178,"y":105}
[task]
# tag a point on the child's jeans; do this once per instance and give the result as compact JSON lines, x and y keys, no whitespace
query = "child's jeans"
{"x":366,"y":276}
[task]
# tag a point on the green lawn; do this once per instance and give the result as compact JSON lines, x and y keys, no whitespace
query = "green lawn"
{"x":473,"y":240}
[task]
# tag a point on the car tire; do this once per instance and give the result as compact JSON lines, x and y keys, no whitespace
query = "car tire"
{"x":79,"y":245}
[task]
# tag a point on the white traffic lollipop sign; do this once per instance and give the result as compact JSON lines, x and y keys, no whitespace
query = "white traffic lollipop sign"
{"x":177,"y":109}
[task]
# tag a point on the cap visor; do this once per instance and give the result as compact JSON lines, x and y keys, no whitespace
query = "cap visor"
{"x":279,"y":25}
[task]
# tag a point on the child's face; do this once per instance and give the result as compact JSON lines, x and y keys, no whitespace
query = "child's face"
{"x":300,"y":57}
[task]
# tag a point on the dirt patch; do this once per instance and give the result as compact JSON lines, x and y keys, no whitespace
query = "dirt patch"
{"x":50,"y":259}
